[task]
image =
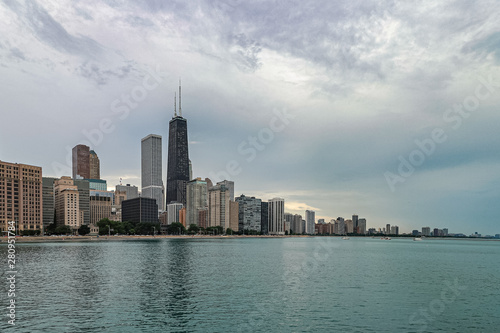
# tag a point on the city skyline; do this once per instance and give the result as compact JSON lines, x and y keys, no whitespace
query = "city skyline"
{"x":357,"y":120}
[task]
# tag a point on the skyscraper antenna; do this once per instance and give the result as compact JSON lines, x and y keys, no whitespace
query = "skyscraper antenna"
{"x":175,"y":104}
{"x":180,"y":109}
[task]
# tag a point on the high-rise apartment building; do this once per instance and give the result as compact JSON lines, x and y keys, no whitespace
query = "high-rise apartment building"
{"x":250,"y":214}
{"x":310,"y":221}
{"x":95,"y":171}
{"x":221,"y":210}
{"x":67,"y":203}
{"x":21,"y":196}
{"x":387,"y":229}
{"x":426,"y":231}
{"x":178,"y":157}
{"x":81,"y":162}
{"x":151,"y":170}
{"x":277,"y":216}
{"x":296,"y":226}
{"x":196,"y":192}
{"x":173,"y":210}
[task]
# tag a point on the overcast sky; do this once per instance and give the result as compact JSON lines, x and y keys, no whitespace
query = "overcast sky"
{"x":387,"y":110}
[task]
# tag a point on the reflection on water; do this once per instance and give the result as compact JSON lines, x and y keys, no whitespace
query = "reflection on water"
{"x":256,"y":285}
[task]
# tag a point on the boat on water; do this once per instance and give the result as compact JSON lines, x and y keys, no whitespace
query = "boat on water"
{"x":345,"y":238}
{"x":385,"y":238}
{"x":417,"y":238}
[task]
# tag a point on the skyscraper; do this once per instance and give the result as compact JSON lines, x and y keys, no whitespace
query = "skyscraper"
{"x":310,"y":221}
{"x":196,"y":192}
{"x":95,"y":172}
{"x":178,"y":157}
{"x":355,"y":224}
{"x":222,"y":211}
{"x":81,"y":162}
{"x":277,"y":216}
{"x":249,"y":216}
{"x":151,"y":178}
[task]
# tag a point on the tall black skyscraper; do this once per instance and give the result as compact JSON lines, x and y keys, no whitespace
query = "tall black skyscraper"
{"x":178,"y":157}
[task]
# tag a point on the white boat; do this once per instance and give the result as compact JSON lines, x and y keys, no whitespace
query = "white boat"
{"x":345,"y":238}
{"x":417,"y":239}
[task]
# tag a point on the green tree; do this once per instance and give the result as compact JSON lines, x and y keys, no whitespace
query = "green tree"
{"x":63,"y":230}
{"x":51,"y":228}
{"x":176,"y":228}
{"x":84,"y":230}
{"x":193,"y":229}
{"x":229,"y":231}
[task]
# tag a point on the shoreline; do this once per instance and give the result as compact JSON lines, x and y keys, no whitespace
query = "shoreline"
{"x":57,"y":239}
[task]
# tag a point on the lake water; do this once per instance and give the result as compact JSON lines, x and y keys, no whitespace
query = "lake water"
{"x":315,"y":284}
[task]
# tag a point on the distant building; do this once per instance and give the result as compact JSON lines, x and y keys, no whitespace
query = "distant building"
{"x":355,"y":224}
{"x":196,"y":199}
{"x":250,"y":214}
{"x":362,"y":226}
{"x":178,"y":173}
{"x":276,"y":216}
{"x":100,"y":205}
{"x":151,"y":169}
{"x":67,"y":203}
{"x":48,"y":201}
{"x":81,"y":162}
{"x":173,"y":210}
{"x":131,"y":190}
{"x":349,"y":227}
{"x":415,"y":233}
{"x":264,"y":218}
{"x":445,"y":232}
{"x":387,"y":229}
{"x":220,"y":208}
{"x":296,"y":226}
{"x":97,"y":184}
{"x":84,"y":194}
{"x":233,"y":216}
{"x":310,"y":222}
{"x":95,"y":172}
{"x":435,"y":232}
{"x":321,"y":221}
{"x":140,"y":210}
{"x":426,"y":231}
{"x":394,"y":230}
{"x":21,"y":196}
{"x":203,"y":218}
{"x":341,"y":226}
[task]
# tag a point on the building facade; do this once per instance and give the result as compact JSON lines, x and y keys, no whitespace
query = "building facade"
{"x":151,"y":169}
{"x":310,"y":221}
{"x":95,"y":168}
{"x":250,"y":214}
{"x":173,"y":210}
{"x":178,"y":157}
{"x":140,"y":210}
{"x":264,"y":218}
{"x":67,"y":203}
{"x":277,"y":216}
{"x":196,"y":199}
{"x":48,"y":201}
{"x":21,"y":196}
{"x":81,"y":162}
{"x":221,"y":210}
